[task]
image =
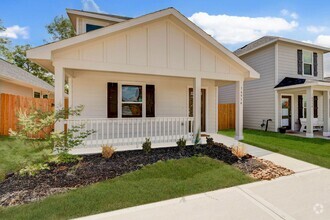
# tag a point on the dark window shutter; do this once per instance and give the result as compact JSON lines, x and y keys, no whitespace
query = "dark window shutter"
{"x":315,"y":64}
{"x":112,"y":100}
{"x":299,"y":62}
{"x":300,"y":106}
{"x":316,"y":108}
{"x":150,"y":100}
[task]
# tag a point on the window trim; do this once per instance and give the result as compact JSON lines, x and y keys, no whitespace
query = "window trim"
{"x":303,"y":63}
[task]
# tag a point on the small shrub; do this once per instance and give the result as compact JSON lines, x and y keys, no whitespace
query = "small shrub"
{"x":65,"y":158}
{"x":32,"y":170}
{"x":146,"y":146}
{"x":209,"y":142}
{"x":181,"y":143}
{"x":107,"y":151}
{"x":197,"y":140}
{"x":239,"y":150}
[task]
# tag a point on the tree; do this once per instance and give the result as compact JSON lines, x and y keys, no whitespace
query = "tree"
{"x":60,"y":28}
{"x":18,"y":57}
{"x":3,"y":41}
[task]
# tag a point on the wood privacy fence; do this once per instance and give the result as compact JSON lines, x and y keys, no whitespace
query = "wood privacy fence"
{"x":226,"y":116}
{"x":11,"y":104}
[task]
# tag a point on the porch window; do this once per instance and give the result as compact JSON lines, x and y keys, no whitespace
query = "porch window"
{"x":302,"y":106}
{"x":308,"y":63}
{"x":131,"y":101}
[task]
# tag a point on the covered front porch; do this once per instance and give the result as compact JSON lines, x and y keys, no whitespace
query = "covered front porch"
{"x":304,"y":109}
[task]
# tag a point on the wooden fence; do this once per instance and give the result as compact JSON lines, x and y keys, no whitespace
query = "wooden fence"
{"x":226,"y":116}
{"x":11,"y":104}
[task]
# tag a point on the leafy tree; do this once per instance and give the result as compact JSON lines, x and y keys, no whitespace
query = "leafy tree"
{"x":60,"y":28}
{"x":3,"y":41}
{"x":18,"y":57}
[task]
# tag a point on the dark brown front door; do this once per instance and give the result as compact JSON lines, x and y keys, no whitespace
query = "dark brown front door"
{"x":286,"y":112}
{"x":203,"y":107}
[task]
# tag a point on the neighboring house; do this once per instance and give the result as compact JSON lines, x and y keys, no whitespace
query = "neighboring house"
{"x":292,"y":90}
{"x":16,"y":81}
{"x":152,"y":76}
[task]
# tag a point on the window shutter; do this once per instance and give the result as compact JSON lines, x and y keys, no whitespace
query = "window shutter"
{"x":300,"y":106}
{"x":316,"y":115}
{"x":112,"y":100}
{"x":315,"y":64}
{"x":150,"y":100}
{"x":299,"y":62}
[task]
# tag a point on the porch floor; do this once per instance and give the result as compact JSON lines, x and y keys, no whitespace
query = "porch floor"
{"x":317,"y":134}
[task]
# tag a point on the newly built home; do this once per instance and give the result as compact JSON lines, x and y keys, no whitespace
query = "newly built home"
{"x":154,"y":76}
{"x":16,"y":81}
{"x":292,"y":91}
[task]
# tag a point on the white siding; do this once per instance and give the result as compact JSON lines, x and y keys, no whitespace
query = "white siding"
{"x":287,"y":62}
{"x":171,"y":94}
{"x":226,"y":94}
{"x":259,"y":95}
{"x":14,"y":89}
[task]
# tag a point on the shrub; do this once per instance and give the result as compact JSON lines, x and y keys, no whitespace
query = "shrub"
{"x":181,"y":143}
{"x":32,"y":170}
{"x":65,"y":157}
{"x":146,"y":146}
{"x":107,"y":151}
{"x":239,"y":150}
{"x":197,"y":140}
{"x":209,"y":142}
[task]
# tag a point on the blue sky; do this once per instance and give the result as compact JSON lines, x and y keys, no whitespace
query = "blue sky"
{"x":233,"y":23}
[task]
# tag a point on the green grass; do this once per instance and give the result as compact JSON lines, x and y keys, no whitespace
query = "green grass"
{"x":15,"y":154}
{"x":312,"y":150}
{"x":160,"y":181}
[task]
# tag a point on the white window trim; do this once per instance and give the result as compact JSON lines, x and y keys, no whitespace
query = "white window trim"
{"x":312,"y":63}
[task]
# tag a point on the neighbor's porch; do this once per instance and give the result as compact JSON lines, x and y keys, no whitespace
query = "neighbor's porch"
{"x":304,"y":109}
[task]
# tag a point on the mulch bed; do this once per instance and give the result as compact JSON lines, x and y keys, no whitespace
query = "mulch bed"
{"x":16,"y":189}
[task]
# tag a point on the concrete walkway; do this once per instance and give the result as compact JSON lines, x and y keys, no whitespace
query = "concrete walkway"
{"x":304,"y":195}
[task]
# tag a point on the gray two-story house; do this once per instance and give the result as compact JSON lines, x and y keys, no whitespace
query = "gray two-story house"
{"x":292,"y":91}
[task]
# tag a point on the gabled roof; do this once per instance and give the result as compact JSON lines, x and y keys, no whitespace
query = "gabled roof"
{"x":13,"y":73}
{"x":42,"y":53}
{"x":267,"y":40}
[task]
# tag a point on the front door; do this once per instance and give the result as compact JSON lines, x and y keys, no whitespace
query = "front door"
{"x":203,"y":107}
{"x":286,"y":112}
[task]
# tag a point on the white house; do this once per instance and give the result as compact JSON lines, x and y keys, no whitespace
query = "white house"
{"x":292,"y":91}
{"x":152,"y":76}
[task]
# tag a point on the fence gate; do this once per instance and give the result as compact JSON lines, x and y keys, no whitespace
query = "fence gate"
{"x":226,"y":116}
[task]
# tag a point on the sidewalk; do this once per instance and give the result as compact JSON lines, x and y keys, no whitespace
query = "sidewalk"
{"x":304,"y":195}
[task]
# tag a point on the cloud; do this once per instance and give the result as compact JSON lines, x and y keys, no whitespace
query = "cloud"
{"x":15,"y":32}
{"x":90,"y":5}
{"x":286,"y":12}
{"x":316,"y":29}
{"x":323,"y":40}
{"x":236,"y":29}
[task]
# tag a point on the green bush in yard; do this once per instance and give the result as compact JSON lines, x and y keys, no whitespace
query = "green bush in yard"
{"x":146,"y":146}
{"x":181,"y":143}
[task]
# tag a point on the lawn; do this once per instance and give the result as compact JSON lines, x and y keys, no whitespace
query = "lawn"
{"x":312,"y":150}
{"x":156,"y":182}
{"x":16,"y":154}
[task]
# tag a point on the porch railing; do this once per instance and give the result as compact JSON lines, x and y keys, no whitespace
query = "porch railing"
{"x":133,"y":131}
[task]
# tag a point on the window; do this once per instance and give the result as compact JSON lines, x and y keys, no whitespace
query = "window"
{"x":45,"y":96}
{"x":36,"y":95}
{"x":92,"y":27}
{"x":308,"y":63}
{"x":131,"y":101}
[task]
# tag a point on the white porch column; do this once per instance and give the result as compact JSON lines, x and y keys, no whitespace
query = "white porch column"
{"x":70,"y":91}
{"x":326,"y":111}
{"x":239,"y":111}
{"x":197,"y":105}
{"x":59,"y":94}
{"x":310,"y":112}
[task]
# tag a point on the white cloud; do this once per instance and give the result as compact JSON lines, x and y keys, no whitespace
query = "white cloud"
{"x":286,"y":12}
{"x":90,"y":5}
{"x":235,"y":29}
{"x":323,"y":40}
{"x":15,"y":32}
{"x":316,"y":29}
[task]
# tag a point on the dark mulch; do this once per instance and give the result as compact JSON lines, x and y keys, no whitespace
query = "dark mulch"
{"x":94,"y":168}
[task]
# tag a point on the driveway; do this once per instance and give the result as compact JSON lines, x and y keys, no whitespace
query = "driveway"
{"x":303,"y":195}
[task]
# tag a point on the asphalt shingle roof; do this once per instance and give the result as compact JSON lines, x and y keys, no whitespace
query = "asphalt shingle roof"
{"x":10,"y":71}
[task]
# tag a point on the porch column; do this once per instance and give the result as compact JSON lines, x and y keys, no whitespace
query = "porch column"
{"x":326,"y":111}
{"x":197,"y":105}
{"x":59,"y":94}
{"x":310,"y":112}
{"x":239,"y":111}
{"x":70,"y":92}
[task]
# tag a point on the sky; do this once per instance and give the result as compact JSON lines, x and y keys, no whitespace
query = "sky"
{"x":233,"y":23}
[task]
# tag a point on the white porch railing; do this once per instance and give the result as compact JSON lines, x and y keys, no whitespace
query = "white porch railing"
{"x":134,"y":131}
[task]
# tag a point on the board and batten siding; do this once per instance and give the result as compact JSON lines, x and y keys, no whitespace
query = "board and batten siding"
{"x":287,"y":62}
{"x":171,"y":94}
{"x":14,"y":89}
